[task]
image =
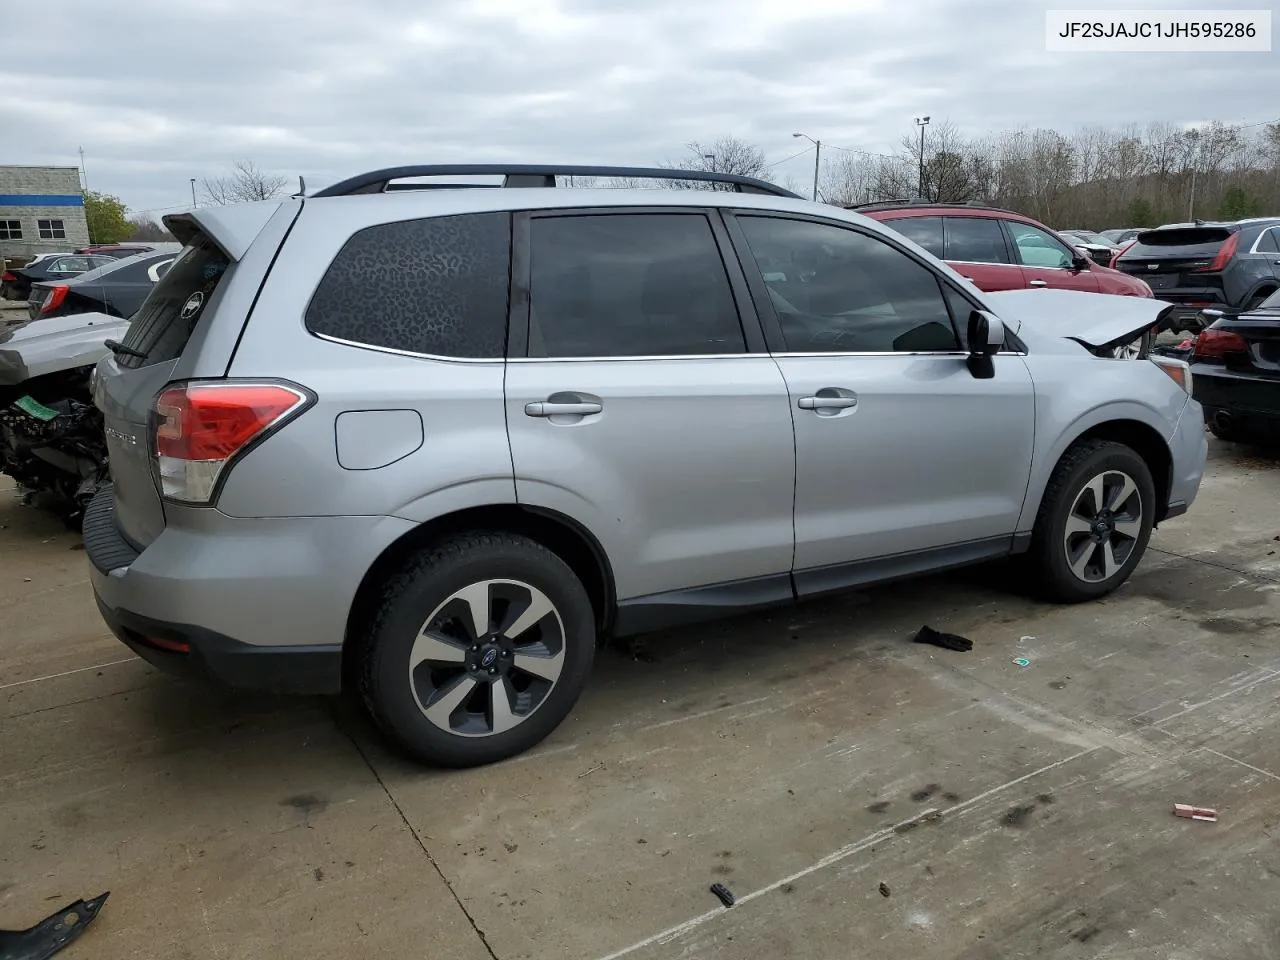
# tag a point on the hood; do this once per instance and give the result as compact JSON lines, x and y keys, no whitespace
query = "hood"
{"x":38,"y":347}
{"x":1093,"y":320}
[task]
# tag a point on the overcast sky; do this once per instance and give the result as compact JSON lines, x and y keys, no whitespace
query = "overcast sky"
{"x":159,"y":91}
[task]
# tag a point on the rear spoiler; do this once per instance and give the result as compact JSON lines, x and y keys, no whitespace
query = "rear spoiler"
{"x":232,"y":227}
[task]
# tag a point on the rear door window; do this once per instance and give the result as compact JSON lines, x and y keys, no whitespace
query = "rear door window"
{"x":926,"y":231}
{"x":629,"y":285}
{"x":436,"y":286}
{"x":164,"y":323}
{"x":1268,"y":243}
{"x":975,"y":240}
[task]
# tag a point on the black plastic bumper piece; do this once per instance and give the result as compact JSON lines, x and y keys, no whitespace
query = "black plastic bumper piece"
{"x":199,"y":654}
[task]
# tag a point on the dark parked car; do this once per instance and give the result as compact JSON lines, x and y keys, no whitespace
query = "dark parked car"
{"x":1120,"y":236}
{"x":19,"y":280}
{"x":1236,"y":373}
{"x":1231,"y":267}
{"x":120,"y":250}
{"x":117,"y":288}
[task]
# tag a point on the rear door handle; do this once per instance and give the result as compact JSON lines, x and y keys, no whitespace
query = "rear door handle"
{"x":546,"y":408}
{"x":826,"y":403}
{"x":1037,"y":283}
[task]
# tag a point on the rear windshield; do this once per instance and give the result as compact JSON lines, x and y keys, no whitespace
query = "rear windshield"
{"x":163,"y":324}
{"x":1178,"y":241}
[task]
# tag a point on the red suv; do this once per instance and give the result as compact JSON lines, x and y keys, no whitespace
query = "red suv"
{"x":999,"y":249}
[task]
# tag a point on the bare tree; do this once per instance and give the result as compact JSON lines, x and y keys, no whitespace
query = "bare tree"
{"x":726,"y":154}
{"x":245,"y":183}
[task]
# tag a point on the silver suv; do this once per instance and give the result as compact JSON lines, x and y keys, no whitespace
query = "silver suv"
{"x":434,"y":444}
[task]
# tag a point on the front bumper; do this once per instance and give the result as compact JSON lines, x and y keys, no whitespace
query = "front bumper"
{"x":255,"y":603}
{"x":1189,"y":449}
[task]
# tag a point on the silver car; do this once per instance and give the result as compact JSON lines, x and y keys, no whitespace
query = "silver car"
{"x":435,"y":444}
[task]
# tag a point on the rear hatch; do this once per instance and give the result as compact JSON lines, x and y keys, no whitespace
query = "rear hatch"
{"x":1182,"y":263}
{"x":129,"y":380}
{"x":1248,"y":344}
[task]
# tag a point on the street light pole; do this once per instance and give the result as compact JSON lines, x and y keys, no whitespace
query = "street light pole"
{"x":921,"y":122}
{"x":817,"y":159}
{"x":193,"y":191}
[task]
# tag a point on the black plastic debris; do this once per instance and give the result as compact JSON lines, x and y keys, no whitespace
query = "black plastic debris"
{"x":724,"y":893}
{"x":884,"y":890}
{"x":51,"y":934}
{"x":948,"y":641}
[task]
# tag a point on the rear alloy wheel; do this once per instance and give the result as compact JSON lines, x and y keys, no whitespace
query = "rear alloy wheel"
{"x":1094,"y":522}
{"x":481,"y":649}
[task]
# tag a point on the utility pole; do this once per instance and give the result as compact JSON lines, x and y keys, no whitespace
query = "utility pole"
{"x":817,"y":159}
{"x":921,"y":122}
{"x":193,"y":192}
{"x":83,"y":175}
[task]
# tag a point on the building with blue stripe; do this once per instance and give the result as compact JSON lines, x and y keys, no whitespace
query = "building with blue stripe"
{"x":41,"y":211}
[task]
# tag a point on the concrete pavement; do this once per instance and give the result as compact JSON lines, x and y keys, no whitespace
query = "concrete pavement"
{"x":804,"y":758}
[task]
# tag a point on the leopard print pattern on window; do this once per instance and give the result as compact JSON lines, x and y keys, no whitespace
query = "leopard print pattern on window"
{"x":436,"y":285}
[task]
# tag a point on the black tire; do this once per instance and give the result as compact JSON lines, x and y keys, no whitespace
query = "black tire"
{"x":1081,"y":464}
{"x":1227,"y":433}
{"x":427,"y":582}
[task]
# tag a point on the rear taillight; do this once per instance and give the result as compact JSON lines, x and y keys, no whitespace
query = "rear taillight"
{"x":1120,"y":253}
{"x":1225,"y":253}
{"x":8,"y":277}
{"x":54,"y":300}
{"x":1218,"y":343}
{"x":199,"y":429}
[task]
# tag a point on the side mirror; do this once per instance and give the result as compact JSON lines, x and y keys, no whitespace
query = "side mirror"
{"x":986,"y":337}
{"x":1079,"y":261}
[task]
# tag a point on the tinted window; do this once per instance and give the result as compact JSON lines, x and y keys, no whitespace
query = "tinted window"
{"x":1267,"y":242}
{"x":628,"y":285}
{"x":163,"y":324}
{"x":975,"y":240}
{"x":837,"y":290}
{"x":436,"y":286}
{"x":926,"y":231}
{"x":1035,"y":248}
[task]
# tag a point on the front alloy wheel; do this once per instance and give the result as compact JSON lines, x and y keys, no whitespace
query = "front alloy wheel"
{"x":487,"y":658}
{"x":1103,"y":526}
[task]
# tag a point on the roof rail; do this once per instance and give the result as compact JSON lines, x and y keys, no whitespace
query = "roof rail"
{"x":920,"y":202}
{"x":534,"y":175}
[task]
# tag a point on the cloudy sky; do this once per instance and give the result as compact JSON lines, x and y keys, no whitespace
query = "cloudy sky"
{"x":159,"y":91}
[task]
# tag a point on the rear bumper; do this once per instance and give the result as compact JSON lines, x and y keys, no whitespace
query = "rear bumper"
{"x":1253,"y":402}
{"x":257,"y":603}
{"x":195,"y":653}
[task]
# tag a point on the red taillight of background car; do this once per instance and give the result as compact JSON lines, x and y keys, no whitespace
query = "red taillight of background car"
{"x":1218,"y":343}
{"x":8,"y":277}
{"x":199,"y":428}
{"x":1225,"y":253}
{"x":52,"y":302}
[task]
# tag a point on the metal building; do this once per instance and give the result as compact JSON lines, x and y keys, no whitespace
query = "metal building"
{"x":41,"y":210}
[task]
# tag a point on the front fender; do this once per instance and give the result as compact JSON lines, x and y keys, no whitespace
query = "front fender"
{"x":1067,"y":407}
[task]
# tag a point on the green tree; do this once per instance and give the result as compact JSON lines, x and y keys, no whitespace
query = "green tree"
{"x":108,"y":218}
{"x":1237,"y":204}
{"x":1142,"y":214}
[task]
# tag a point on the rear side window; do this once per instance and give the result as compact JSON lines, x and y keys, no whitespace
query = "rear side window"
{"x":926,"y":231}
{"x":976,"y":240}
{"x":163,"y":324}
{"x":1267,"y":243}
{"x":434,"y":286}
{"x":629,"y":285}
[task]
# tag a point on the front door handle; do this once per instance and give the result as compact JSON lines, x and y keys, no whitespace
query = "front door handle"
{"x":1037,"y":283}
{"x":829,"y":399}
{"x":547,"y":408}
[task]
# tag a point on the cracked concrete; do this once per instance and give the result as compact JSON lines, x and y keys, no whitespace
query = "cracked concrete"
{"x":860,"y":794}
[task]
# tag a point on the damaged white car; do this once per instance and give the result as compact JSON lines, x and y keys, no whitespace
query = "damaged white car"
{"x":442,"y":441}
